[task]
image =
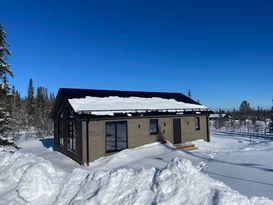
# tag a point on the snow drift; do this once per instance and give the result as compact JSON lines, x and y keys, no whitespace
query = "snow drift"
{"x":26,"y":178}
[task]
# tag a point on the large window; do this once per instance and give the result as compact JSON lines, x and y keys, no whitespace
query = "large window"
{"x":71,"y":140}
{"x":197,"y":123}
{"x":71,"y":136}
{"x":116,"y":136}
{"x":60,"y":129}
{"x":153,"y":126}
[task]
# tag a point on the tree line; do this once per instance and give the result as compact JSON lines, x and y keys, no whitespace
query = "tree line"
{"x":244,"y":116}
{"x":30,"y":113}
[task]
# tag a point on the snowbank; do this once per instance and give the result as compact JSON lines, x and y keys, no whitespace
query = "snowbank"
{"x":26,"y":178}
{"x":114,"y":104}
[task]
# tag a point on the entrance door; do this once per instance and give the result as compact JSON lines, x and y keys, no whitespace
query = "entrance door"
{"x":176,"y":131}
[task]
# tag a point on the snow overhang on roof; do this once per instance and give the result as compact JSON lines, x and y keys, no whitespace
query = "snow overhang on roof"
{"x":113,"y":104}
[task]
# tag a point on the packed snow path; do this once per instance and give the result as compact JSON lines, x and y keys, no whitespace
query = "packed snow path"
{"x":151,"y":174}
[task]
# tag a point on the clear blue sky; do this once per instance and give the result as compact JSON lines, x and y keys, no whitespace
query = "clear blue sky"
{"x":221,"y":50}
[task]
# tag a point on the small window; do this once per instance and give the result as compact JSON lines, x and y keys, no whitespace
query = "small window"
{"x":153,"y":126}
{"x":197,"y":123}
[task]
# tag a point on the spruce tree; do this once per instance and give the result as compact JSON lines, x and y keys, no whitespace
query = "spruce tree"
{"x":5,"y":109}
{"x":40,"y":114}
{"x":4,"y":53}
{"x":30,"y":104}
{"x":244,"y":111}
{"x":5,"y":96}
{"x":189,"y":94}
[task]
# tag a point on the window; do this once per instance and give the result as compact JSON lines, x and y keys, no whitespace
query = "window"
{"x":60,"y":129}
{"x":71,"y":136}
{"x":197,"y":123}
{"x":71,"y":140}
{"x":153,"y":126}
{"x":116,"y":136}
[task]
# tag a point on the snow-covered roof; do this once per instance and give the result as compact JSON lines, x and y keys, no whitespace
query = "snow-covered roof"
{"x":130,"y":103}
{"x":114,"y":104}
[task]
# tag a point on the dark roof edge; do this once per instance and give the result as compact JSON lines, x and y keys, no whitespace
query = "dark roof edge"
{"x":110,"y":90}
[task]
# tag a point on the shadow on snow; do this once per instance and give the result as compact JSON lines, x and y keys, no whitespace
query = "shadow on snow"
{"x":47,"y":142}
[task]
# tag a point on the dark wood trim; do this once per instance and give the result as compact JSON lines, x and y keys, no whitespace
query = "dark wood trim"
{"x":174,"y":131}
{"x":111,"y":118}
{"x":208,"y":131}
{"x":87,"y":141}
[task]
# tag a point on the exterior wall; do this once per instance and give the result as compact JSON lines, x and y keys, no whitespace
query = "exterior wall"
{"x":138,"y":132}
{"x":189,"y":133}
{"x":97,"y":144}
{"x":77,"y":155}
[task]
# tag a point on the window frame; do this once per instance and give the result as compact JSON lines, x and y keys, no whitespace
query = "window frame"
{"x":197,"y":123}
{"x":60,"y":128}
{"x":116,"y":141}
{"x":71,"y":139}
{"x":150,"y":122}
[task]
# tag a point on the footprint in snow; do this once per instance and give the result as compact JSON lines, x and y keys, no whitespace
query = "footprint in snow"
{"x":201,"y":166}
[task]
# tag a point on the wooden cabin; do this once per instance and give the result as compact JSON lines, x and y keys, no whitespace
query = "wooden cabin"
{"x":89,"y":124}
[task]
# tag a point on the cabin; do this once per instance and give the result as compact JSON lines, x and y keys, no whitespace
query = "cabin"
{"x":215,"y":118}
{"x":89,"y":123}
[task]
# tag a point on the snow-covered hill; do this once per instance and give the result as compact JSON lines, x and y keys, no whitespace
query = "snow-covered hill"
{"x":151,"y":174}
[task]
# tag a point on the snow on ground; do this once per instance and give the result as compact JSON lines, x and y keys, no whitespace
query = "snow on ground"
{"x":43,"y":148}
{"x":244,"y":165}
{"x":151,"y":174}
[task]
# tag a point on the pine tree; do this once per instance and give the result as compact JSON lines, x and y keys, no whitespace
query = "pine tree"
{"x":5,"y":112}
{"x":4,"y":53}
{"x":51,"y":97}
{"x":189,"y":94}
{"x":30,"y":106}
{"x":5,"y":96}
{"x":18,"y":113}
{"x":244,"y":111}
{"x":41,"y":111}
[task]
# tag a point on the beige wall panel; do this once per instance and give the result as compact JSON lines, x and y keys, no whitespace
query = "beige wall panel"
{"x":189,"y":133}
{"x":138,"y":132}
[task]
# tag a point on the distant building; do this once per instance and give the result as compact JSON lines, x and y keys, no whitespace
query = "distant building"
{"x":89,"y":124}
{"x":216,"y":116}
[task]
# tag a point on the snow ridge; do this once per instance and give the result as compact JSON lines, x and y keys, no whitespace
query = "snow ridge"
{"x":26,"y":178}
